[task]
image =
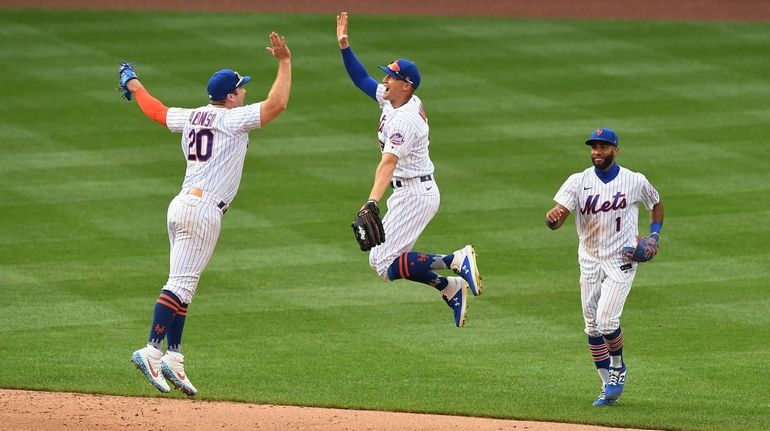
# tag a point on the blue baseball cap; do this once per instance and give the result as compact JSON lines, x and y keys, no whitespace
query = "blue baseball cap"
{"x":605,"y":135}
{"x":224,"y":82}
{"x":404,"y":70}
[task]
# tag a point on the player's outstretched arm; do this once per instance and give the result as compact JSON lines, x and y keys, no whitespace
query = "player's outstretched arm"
{"x":355,"y":69}
{"x":556,"y":217}
{"x":278,"y":97}
{"x":131,"y":87}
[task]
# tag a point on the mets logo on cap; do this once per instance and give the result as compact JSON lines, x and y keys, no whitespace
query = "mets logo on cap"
{"x":603,"y":134}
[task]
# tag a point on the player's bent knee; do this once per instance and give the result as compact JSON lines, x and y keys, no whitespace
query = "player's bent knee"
{"x":183,"y":287}
{"x":393,"y":272}
{"x":592,"y":331}
{"x":607,"y":328}
{"x":185,"y":295}
{"x":382,"y":272}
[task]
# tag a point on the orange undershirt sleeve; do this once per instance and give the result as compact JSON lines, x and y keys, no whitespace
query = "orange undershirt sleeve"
{"x":151,"y":106}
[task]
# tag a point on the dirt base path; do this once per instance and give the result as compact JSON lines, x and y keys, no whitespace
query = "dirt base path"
{"x":28,"y":410}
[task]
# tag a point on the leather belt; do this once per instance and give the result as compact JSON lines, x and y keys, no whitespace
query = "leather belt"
{"x":400,"y":183}
{"x":222,"y":205}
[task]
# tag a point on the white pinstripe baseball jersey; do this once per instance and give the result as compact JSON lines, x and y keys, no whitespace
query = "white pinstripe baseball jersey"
{"x":606,"y":215}
{"x":403,"y":131}
{"x":214,"y":142}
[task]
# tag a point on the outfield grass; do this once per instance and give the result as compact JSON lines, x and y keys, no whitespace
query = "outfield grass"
{"x":288,"y":311}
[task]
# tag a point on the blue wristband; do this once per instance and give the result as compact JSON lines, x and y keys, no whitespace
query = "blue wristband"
{"x":655,"y":229}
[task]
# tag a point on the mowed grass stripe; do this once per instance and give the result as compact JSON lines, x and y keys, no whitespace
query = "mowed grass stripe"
{"x":289,"y":312}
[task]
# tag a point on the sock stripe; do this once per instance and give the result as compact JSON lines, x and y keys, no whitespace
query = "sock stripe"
{"x":599,"y":352}
{"x":170,"y":298}
{"x":168,"y":302}
{"x":182,"y":310}
{"x":404,"y":264}
{"x":615,"y":344}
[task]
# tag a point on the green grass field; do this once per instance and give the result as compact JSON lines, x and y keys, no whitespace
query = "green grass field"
{"x":288,"y":310}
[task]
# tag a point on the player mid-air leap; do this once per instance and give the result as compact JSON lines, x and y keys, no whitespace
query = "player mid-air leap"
{"x":214,"y":142}
{"x":406,"y":167}
{"x":606,"y":199}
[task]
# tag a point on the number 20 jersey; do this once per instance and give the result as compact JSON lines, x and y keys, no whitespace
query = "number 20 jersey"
{"x":214,"y":142}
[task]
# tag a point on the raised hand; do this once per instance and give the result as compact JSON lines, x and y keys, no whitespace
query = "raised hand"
{"x":278,"y":47}
{"x":342,"y":30}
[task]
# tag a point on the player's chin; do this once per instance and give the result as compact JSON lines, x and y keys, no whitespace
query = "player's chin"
{"x":602,"y":163}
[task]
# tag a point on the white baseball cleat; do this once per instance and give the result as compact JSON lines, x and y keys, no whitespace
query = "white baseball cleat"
{"x":464,"y":265}
{"x":148,"y":362}
{"x":172,"y":366}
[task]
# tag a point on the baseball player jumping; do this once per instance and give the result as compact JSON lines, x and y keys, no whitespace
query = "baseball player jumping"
{"x":214,"y":142}
{"x":605,"y":199}
{"x":406,"y":167}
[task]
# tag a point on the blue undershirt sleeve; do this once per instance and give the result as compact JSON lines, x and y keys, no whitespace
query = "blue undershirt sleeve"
{"x":358,"y":73}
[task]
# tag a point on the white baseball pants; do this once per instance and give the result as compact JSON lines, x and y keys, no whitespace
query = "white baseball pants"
{"x":604,"y":287}
{"x":193,"y":229}
{"x":410,"y":208}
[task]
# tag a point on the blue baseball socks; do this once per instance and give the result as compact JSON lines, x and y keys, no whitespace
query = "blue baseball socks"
{"x":418,"y":267}
{"x":167,"y":320}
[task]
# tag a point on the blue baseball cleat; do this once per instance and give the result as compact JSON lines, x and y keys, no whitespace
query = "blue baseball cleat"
{"x":602,"y":400}
{"x":616,"y":384}
{"x":458,"y":302}
{"x":464,"y":265}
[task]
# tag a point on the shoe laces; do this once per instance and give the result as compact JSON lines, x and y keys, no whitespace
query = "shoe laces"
{"x":614,"y":376}
{"x":175,"y":365}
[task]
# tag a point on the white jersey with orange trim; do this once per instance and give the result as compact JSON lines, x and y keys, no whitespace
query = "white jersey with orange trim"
{"x":606,"y":215}
{"x":214,"y":142}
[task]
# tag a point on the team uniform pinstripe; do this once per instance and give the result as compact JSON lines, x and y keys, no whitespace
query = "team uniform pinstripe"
{"x":607,"y":218}
{"x":214,"y":142}
{"x":404,"y":131}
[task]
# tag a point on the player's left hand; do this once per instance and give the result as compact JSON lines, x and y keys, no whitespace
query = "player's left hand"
{"x":645,"y":250}
{"x":342,"y":30}
{"x":278,"y":47}
{"x":367,"y":227}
